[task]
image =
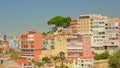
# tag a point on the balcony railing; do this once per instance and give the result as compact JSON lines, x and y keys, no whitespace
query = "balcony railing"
{"x":74,"y":51}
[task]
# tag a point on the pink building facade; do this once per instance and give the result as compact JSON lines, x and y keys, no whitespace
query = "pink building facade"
{"x":77,"y":46}
{"x":79,"y":50}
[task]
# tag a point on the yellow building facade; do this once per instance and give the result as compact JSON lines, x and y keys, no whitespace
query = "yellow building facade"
{"x":60,"y":45}
{"x":84,"y":24}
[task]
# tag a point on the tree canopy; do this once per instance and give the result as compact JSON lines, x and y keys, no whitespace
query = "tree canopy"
{"x":55,"y":58}
{"x":46,"y":59}
{"x":103,"y":55}
{"x":59,"y":21}
{"x":39,"y":64}
{"x":114,"y":60}
{"x":15,"y":55}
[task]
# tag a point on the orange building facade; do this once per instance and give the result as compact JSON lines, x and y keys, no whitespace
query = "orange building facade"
{"x":74,"y":26}
{"x":31,"y":44}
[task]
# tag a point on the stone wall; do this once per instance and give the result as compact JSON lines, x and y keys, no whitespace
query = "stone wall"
{"x":101,"y":64}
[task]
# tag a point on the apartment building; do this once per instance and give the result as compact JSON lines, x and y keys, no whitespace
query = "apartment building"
{"x":74,"y":26}
{"x":112,"y":30}
{"x":48,"y":48}
{"x":77,"y":45}
{"x":98,"y":31}
{"x":48,"y":42}
{"x":31,"y":45}
{"x":60,"y":41}
{"x":84,"y":26}
{"x":93,"y":25}
{"x":78,"y":48}
{"x":84,"y":62}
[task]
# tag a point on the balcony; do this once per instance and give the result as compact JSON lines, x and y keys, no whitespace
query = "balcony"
{"x":75,"y":47}
{"x":74,"y":43}
{"x":28,"y":53}
{"x":74,"y":51}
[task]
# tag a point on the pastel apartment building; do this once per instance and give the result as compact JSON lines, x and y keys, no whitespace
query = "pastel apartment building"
{"x":60,"y":44}
{"x":31,"y":45}
{"x":53,"y":45}
{"x":84,"y":24}
{"x":48,"y":42}
{"x":84,"y":62}
{"x":98,"y":31}
{"x":77,"y":46}
{"x":48,"y":48}
{"x":93,"y":26}
{"x":74,"y":26}
{"x":112,"y":30}
{"x":79,"y":49}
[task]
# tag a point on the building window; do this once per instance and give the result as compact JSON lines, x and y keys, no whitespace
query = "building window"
{"x":82,"y":60}
{"x":106,"y":27}
{"x":103,"y":36}
{"x":80,"y":54}
{"x":79,"y":60}
{"x":116,"y":27}
{"x":90,"y":60}
{"x":82,"y":64}
{"x":112,"y":42}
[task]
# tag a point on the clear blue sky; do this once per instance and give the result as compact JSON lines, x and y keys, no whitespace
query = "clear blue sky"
{"x":18,"y":16}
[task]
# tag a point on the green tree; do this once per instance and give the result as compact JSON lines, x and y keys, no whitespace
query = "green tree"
{"x":59,"y":21}
{"x":57,"y":67}
{"x":46,"y":59}
{"x":62,"y":58}
{"x":97,"y":57}
{"x":34,"y":63}
{"x":44,"y":33}
{"x":103,"y":55}
{"x":39,"y":64}
{"x":15,"y":55}
{"x":55,"y":58}
{"x":66,"y":66}
{"x":114,"y":60}
{"x":62,"y":66}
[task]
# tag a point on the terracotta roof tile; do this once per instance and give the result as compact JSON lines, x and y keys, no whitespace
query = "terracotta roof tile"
{"x":12,"y":67}
{"x":86,"y":57}
{"x":2,"y":66}
{"x":50,"y":64}
{"x":47,"y":36}
{"x":22,"y":61}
